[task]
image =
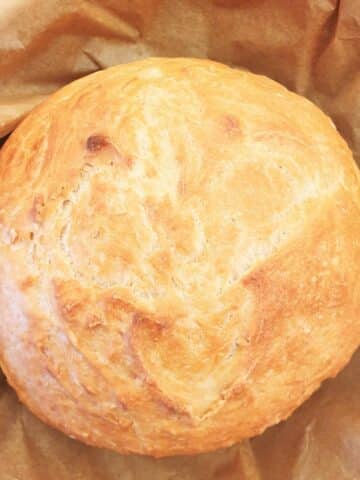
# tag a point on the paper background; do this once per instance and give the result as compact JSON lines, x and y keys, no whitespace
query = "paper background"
{"x":311,"y":46}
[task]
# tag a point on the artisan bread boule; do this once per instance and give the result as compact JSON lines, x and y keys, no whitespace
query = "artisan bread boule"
{"x":179,"y":256}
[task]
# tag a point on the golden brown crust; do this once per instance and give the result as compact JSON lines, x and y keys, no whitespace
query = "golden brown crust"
{"x":179,"y":256}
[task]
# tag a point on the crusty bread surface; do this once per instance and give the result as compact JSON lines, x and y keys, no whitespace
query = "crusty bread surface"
{"x":179,"y":256}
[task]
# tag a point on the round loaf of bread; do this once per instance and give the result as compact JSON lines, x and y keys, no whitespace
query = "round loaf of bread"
{"x":179,"y":256}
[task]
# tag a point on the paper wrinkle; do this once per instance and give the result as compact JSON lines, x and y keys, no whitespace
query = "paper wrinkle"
{"x":312,"y":47}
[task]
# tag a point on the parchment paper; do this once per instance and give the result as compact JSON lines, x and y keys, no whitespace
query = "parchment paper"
{"x":311,"y":46}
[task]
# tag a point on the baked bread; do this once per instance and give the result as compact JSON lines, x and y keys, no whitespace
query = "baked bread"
{"x":180,"y":256}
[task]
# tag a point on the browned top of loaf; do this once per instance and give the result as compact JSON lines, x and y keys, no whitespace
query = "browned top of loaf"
{"x":179,"y":256}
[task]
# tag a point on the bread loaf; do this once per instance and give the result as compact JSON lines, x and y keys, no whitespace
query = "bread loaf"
{"x":179,"y":256}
